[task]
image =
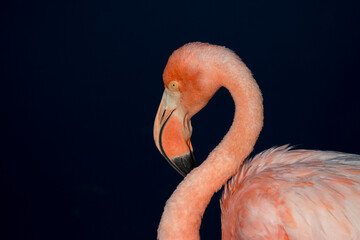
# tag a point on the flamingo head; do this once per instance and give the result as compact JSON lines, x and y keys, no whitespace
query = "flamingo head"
{"x":190,"y":81}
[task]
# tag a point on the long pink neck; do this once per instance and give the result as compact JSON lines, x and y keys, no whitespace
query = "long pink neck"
{"x":182,"y":215}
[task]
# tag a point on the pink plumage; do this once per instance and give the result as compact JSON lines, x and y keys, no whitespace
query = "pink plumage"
{"x":294,"y":194}
{"x":279,"y":194}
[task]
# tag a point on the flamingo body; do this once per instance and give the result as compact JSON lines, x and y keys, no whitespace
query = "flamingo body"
{"x":294,"y":194}
{"x":279,"y":194}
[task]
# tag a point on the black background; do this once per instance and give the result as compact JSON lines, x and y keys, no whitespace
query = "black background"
{"x":81,"y":83}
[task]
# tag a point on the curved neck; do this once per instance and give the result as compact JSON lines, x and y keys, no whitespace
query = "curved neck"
{"x":182,"y":215}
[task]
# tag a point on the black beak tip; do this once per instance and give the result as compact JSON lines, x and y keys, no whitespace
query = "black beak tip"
{"x":185,"y":163}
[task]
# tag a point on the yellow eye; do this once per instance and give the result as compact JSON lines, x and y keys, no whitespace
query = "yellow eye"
{"x":173,"y":85}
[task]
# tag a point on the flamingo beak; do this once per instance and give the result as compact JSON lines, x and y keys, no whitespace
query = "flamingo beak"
{"x":172,"y":132}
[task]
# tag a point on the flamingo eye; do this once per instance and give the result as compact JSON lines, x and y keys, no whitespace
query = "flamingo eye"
{"x":173,"y":85}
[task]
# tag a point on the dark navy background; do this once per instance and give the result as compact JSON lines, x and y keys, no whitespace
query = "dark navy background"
{"x":81,"y":83}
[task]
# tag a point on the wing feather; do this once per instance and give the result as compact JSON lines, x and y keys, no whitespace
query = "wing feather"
{"x":308,"y":194}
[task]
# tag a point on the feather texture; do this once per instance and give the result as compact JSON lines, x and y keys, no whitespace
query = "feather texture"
{"x":302,"y":194}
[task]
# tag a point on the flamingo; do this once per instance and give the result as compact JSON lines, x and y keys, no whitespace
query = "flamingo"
{"x":281,"y":193}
